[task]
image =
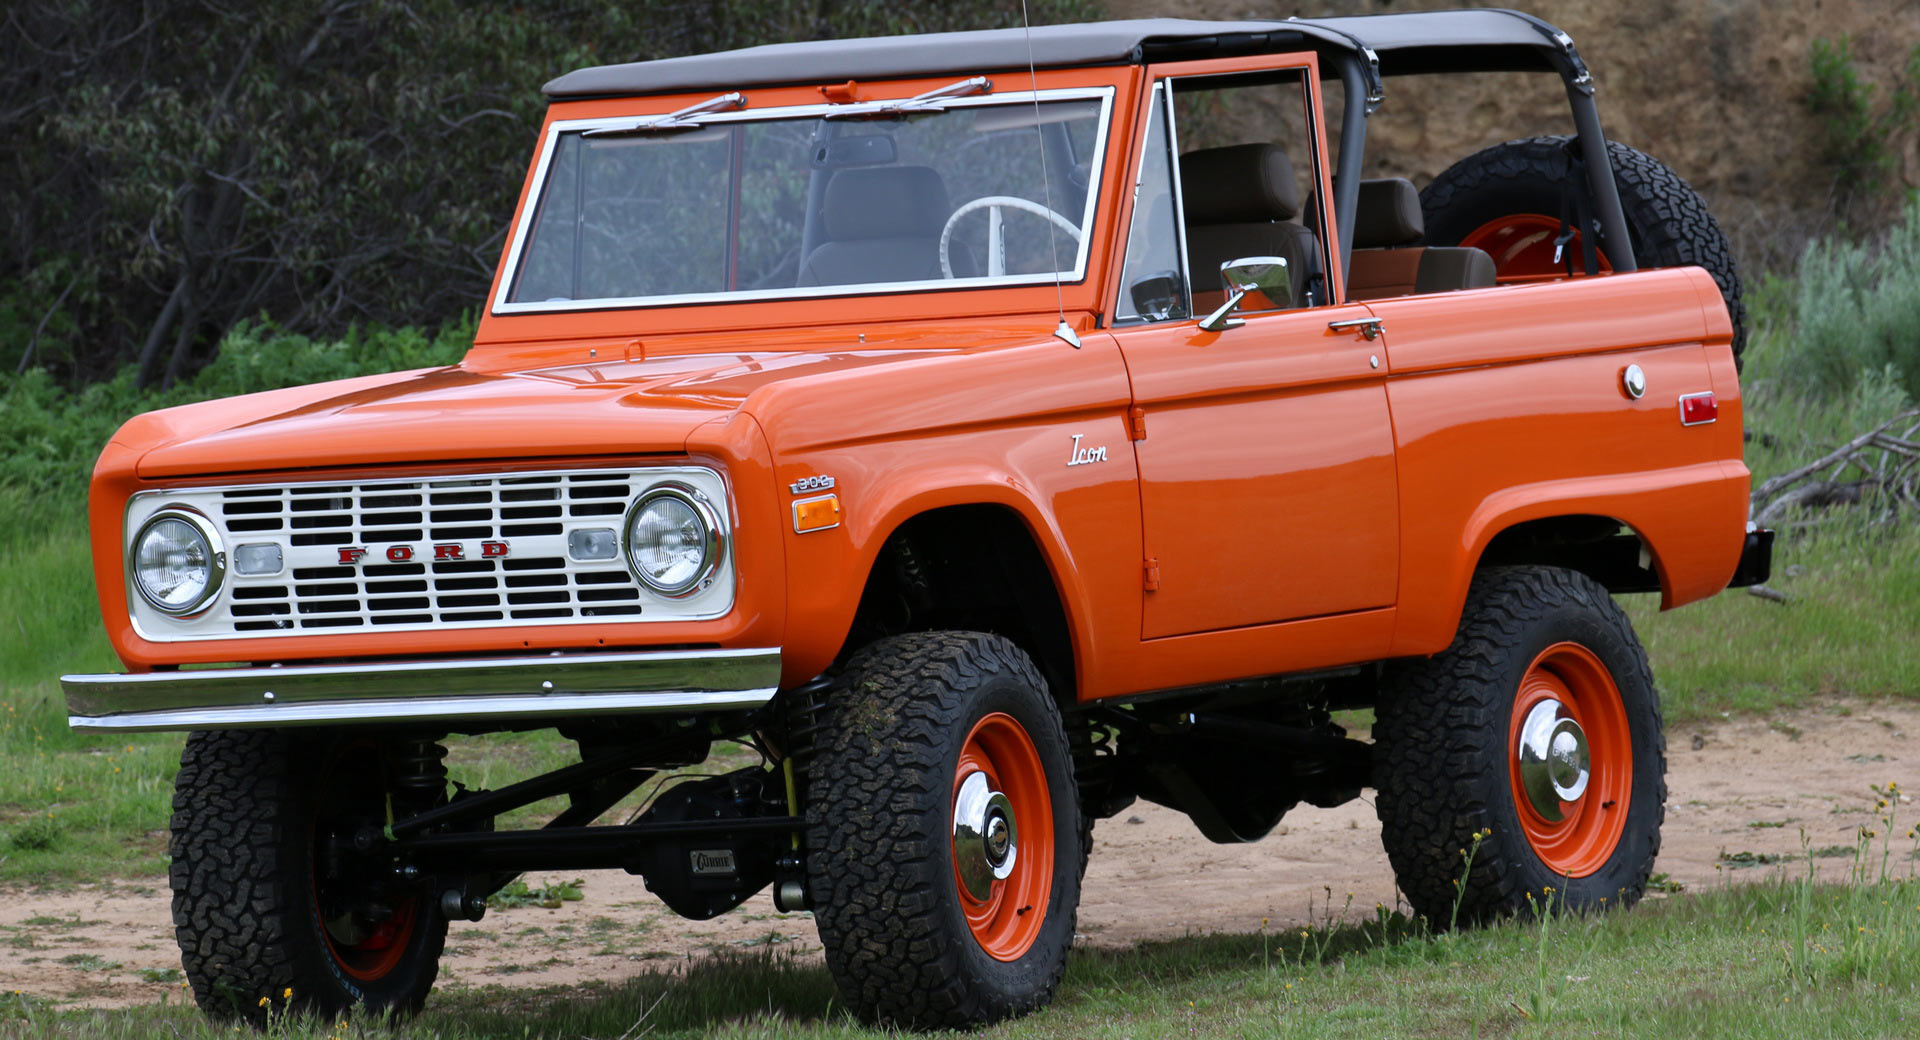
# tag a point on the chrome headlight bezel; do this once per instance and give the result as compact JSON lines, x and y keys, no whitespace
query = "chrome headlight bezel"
{"x":713,"y":541}
{"x":216,"y":561}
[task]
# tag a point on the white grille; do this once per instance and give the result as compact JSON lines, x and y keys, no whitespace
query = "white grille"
{"x":459,"y":552}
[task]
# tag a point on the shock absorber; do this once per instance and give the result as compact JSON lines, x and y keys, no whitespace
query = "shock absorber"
{"x":420,"y":774}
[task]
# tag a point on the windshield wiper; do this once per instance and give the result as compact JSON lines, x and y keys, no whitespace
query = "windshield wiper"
{"x":931,"y":101}
{"x":684,"y":119}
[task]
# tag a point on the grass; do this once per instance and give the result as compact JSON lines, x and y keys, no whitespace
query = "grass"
{"x":1851,"y":626}
{"x":1821,"y":949}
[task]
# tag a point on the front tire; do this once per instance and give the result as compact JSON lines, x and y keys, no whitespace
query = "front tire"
{"x":266,"y":899}
{"x":1479,"y":748}
{"x":944,"y":832}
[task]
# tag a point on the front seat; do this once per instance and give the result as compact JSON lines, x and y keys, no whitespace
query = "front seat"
{"x":882,"y":224}
{"x":1241,"y":201}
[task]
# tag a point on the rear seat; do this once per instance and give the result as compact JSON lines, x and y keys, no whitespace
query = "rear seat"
{"x":1385,"y":263}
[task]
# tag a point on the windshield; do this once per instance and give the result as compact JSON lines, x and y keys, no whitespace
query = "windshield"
{"x":974,"y":193}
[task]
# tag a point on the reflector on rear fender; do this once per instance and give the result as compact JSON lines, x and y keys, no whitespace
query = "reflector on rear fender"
{"x":1698,"y":409}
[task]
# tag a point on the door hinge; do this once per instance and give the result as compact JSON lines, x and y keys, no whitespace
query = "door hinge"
{"x":1150,"y":576}
{"x":1137,"y":423}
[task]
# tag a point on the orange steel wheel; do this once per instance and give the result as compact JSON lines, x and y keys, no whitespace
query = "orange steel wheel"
{"x":372,"y":955}
{"x":1522,"y":246}
{"x":364,"y":950}
{"x":1002,"y":836}
{"x":1570,"y":760}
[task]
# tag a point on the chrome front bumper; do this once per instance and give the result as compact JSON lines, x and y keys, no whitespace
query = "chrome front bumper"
{"x":424,"y":691}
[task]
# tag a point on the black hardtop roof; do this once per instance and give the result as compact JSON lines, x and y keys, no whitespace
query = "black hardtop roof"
{"x":1428,"y":41}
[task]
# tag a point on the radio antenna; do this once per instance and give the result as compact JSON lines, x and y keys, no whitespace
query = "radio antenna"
{"x":1064,"y":331}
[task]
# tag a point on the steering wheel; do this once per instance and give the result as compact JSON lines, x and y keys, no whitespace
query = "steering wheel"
{"x":996,"y":258}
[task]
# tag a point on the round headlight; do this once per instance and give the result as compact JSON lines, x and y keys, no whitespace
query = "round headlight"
{"x":177,"y":561}
{"x":673,"y":540}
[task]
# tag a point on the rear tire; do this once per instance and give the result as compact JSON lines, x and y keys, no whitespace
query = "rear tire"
{"x":258,"y":913}
{"x":920,"y":927}
{"x":1449,"y":745}
{"x":1505,"y":198}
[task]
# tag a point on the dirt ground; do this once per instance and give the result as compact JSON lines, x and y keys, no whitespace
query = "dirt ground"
{"x":1745,"y":786}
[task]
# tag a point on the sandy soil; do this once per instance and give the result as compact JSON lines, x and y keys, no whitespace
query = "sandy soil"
{"x":1152,"y":875}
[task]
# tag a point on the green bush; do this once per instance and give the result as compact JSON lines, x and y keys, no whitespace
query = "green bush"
{"x":1854,"y":309}
{"x":1860,"y":134}
{"x":50,"y":436}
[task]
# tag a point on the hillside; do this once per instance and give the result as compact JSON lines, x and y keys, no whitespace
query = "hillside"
{"x":1716,"y":89}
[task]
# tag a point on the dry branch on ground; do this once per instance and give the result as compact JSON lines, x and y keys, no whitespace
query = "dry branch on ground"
{"x":1880,"y":469}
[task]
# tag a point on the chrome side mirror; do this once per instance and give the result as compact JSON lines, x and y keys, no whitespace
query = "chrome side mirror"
{"x":1253,"y":283}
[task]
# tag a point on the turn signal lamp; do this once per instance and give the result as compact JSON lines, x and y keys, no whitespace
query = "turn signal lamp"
{"x":819,"y":513}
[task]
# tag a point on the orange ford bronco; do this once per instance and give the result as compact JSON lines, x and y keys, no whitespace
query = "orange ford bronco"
{"x":981,"y":431}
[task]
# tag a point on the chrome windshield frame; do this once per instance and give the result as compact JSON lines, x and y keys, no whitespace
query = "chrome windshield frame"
{"x":548,"y":149}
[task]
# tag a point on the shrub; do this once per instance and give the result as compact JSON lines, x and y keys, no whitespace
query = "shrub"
{"x":1855,"y":306}
{"x":50,"y":436}
{"x":1859,"y":132}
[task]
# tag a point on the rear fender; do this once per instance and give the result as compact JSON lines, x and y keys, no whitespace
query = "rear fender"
{"x":1690,"y":519}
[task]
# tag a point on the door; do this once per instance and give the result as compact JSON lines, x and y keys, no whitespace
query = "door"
{"x":1267,"y":480}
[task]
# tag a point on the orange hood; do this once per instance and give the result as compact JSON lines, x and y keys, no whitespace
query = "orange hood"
{"x":449,"y":414}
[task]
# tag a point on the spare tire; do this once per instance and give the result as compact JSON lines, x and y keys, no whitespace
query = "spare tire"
{"x":1511,"y":199}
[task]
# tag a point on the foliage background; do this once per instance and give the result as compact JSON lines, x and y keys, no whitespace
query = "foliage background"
{"x":169,"y":168}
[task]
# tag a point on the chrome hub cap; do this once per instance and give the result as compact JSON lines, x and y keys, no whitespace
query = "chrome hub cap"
{"x":986,"y":837}
{"x":1553,"y":761}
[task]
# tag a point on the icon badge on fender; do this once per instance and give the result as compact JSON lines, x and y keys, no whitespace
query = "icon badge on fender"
{"x":489,"y":550}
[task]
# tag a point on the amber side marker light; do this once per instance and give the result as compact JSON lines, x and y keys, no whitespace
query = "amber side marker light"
{"x":819,"y":513}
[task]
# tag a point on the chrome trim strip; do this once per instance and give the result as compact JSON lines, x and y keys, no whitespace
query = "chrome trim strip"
{"x":307,"y":695}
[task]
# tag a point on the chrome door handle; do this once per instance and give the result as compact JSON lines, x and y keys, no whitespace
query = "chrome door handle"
{"x":1369,"y":327}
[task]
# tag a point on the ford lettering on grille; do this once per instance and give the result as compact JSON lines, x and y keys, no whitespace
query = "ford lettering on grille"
{"x":352,"y":554}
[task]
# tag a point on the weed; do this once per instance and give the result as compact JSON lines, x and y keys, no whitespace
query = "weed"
{"x":548,"y":896}
{"x":159,"y":974}
{"x":38,"y":834}
{"x":1466,"y":874}
{"x":1665,"y":883}
{"x":1540,"y":1002}
{"x":1743,"y":858}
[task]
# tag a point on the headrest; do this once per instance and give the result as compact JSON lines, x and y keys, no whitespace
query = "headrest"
{"x":1388,"y":215}
{"x":1238,"y":184}
{"x":885,"y":202}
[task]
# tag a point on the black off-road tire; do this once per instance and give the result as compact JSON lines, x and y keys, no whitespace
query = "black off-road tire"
{"x":1667,"y":221}
{"x":243,"y":879}
{"x":1442,"y":758}
{"x":879,"y":786}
